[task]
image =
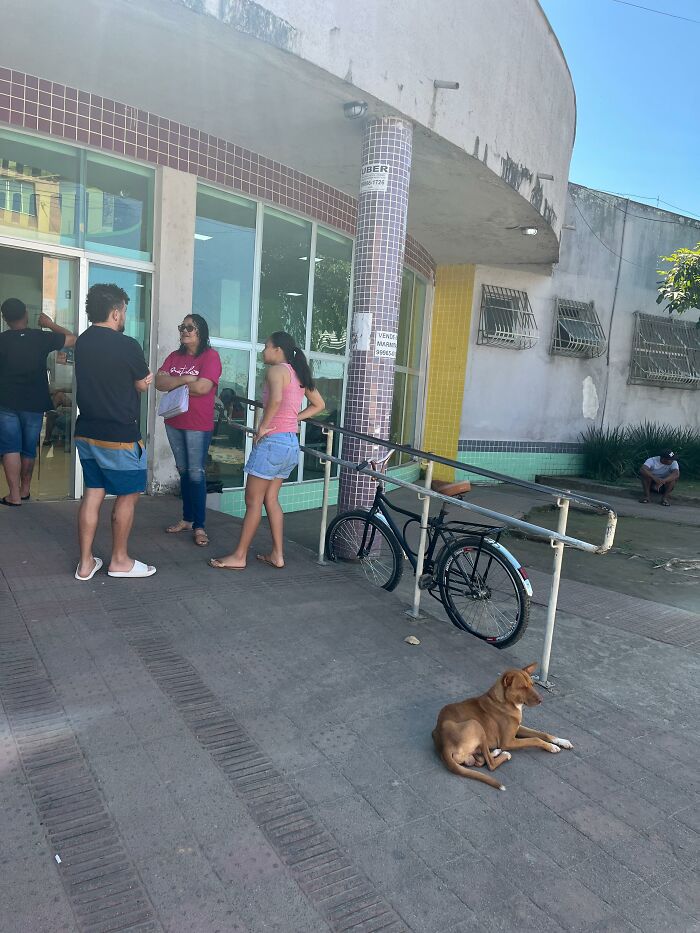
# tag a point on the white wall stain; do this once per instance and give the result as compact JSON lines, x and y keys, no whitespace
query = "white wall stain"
{"x":590,"y":399}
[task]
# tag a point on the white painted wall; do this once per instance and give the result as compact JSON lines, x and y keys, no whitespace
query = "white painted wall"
{"x":530,"y":395}
{"x":515,"y":104}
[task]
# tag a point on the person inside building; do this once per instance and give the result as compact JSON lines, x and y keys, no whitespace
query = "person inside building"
{"x":660,"y":475}
{"x":275,"y":452}
{"x":24,"y":392}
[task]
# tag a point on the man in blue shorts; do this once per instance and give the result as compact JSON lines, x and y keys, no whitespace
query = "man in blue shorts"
{"x":110,"y":372}
{"x":24,"y":393}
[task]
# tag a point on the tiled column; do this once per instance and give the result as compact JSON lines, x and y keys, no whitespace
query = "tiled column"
{"x":379,"y":253}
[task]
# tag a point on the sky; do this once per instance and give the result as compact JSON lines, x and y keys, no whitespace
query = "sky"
{"x":638,"y":97}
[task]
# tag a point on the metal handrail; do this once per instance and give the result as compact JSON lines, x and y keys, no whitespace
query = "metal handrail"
{"x":558,"y":539}
{"x":418,"y":454}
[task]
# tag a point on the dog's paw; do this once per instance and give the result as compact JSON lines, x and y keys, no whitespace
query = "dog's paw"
{"x":553,"y":748}
{"x":496,"y":752}
{"x":563,"y":743}
{"x":506,"y":755}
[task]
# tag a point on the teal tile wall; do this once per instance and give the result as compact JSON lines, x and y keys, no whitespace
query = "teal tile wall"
{"x":297,"y":497}
{"x":520,"y":465}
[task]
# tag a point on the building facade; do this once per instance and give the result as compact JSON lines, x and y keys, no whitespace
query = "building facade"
{"x":351,"y":172}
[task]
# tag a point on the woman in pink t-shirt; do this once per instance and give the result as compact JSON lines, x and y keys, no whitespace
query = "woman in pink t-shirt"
{"x":275,"y":452}
{"x":196,"y":365}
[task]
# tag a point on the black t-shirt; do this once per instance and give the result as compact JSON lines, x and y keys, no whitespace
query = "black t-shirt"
{"x":24,"y":385}
{"x":107,"y":364}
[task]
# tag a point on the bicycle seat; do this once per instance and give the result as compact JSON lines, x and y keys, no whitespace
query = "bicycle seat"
{"x":451,"y":489}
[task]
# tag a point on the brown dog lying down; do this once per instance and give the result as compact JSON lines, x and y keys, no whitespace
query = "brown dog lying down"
{"x":484,"y":728}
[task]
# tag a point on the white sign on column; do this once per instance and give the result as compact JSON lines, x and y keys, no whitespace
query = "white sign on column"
{"x":374,"y":177}
{"x":385,"y":345}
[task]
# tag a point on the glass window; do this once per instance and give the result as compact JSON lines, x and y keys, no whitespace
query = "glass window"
{"x":405,"y":308}
{"x":119,"y":208}
{"x":224,"y":251}
{"x":284,"y":276}
{"x":332,"y":266}
{"x":137,"y":285}
{"x":328,"y":376}
{"x":227,"y":450}
{"x":417,"y":322}
{"x":39,"y":190}
{"x":397,"y":408}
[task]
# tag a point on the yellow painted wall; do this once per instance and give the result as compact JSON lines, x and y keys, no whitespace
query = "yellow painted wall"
{"x":449,"y":340}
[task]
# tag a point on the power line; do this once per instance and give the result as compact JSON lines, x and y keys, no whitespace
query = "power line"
{"x":651,"y":220}
{"x":602,"y":242}
{"x":648,"y":9}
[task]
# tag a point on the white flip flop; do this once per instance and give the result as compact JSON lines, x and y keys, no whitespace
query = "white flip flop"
{"x":98,"y":564}
{"x":138,"y":570}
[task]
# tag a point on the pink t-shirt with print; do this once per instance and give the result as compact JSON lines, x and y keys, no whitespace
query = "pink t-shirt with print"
{"x":200,"y":416}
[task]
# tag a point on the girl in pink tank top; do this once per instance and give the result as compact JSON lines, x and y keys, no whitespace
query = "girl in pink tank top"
{"x":275,"y":451}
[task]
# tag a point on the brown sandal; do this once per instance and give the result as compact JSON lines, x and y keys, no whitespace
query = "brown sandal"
{"x":176,"y":528}
{"x":201,"y":539}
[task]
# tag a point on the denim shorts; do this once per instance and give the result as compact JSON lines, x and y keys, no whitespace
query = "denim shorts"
{"x":19,"y":432}
{"x":118,"y":468}
{"x":274,"y":457}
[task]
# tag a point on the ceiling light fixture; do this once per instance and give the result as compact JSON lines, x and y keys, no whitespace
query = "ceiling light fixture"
{"x":447,"y":85}
{"x":354,"y":109}
{"x":529,"y":231}
{"x":293,"y":294}
{"x":544,"y":177}
{"x":201,"y":236}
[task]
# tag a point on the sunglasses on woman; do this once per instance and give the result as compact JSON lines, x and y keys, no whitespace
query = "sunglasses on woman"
{"x":186,"y":328}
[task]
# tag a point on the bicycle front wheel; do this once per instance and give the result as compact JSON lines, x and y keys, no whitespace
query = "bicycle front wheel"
{"x":366,"y":544}
{"x":482,"y":592}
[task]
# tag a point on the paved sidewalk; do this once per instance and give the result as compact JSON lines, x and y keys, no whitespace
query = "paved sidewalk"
{"x":218,"y":751}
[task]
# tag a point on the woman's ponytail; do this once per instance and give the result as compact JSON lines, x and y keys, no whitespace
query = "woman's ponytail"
{"x":295,"y":356}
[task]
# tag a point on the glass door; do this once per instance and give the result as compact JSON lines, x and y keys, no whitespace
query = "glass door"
{"x":48,"y":284}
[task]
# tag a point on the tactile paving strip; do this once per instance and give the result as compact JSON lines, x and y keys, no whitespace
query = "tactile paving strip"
{"x":340,"y":893}
{"x":101,"y":883}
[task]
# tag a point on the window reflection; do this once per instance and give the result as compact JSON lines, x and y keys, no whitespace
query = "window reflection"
{"x":328,"y":376}
{"x":224,"y":251}
{"x":39,"y":190}
{"x":332,"y":266}
{"x":227,"y":449}
{"x":284,"y":276}
{"x":119,"y":207}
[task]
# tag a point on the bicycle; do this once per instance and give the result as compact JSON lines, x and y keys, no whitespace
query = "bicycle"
{"x":483,"y":588}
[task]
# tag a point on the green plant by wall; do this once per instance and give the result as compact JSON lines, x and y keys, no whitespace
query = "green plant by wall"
{"x":609,"y":454}
{"x":680,"y":285}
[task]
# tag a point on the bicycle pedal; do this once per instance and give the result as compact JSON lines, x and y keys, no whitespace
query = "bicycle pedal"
{"x":424,"y":581}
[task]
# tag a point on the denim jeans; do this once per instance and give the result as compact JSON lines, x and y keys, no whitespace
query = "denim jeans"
{"x":190,"y":450}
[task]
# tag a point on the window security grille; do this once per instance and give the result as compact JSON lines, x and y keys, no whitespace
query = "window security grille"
{"x":577,"y":330}
{"x":506,"y":319}
{"x":665,"y":352}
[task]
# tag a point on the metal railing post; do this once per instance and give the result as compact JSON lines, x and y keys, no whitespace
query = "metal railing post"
{"x":543,"y":677}
{"x":327,"y":466}
{"x":420,"y":556}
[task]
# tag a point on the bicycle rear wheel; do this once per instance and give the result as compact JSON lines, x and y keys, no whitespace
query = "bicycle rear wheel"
{"x":482,"y":592}
{"x":362,"y":541}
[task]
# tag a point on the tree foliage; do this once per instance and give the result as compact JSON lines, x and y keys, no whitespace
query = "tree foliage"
{"x":680,"y":285}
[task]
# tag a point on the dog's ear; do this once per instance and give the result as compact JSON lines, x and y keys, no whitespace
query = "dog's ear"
{"x":507,"y":678}
{"x":531,"y":668}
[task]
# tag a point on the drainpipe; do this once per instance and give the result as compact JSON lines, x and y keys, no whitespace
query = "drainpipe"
{"x":612,"y":312}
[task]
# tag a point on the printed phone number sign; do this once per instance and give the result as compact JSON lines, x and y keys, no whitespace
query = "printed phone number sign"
{"x":385,"y":345}
{"x":374,"y":177}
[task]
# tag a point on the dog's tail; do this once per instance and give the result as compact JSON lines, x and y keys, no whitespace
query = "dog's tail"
{"x":456,"y":768}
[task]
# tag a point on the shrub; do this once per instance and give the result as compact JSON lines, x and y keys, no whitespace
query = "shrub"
{"x":611,"y":453}
{"x":605,"y":453}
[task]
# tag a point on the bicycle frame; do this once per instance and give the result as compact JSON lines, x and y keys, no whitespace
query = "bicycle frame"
{"x":438,"y":529}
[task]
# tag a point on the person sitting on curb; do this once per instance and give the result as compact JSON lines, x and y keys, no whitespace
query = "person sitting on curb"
{"x":659,"y":474}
